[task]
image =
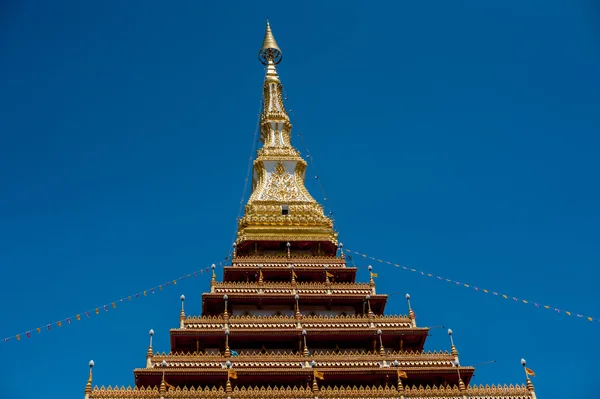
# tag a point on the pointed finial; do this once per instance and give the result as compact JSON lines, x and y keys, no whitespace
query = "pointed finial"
{"x":182,"y":314}
{"x":213,"y":279}
{"x":454,"y":351}
{"x":269,"y":51}
{"x":225,"y":314}
{"x":411,"y":314}
{"x":297,"y":312}
{"x":400,"y":386}
{"x":461,"y":385}
{"x":305,"y":352}
{"x":341,"y":250}
{"x":371,"y":279}
{"x":528,"y":372}
{"x":381,"y":348}
{"x":163,"y":385}
{"x":149,"y":353}
{"x":88,"y":385}
{"x":368,"y":299}
{"x":227,"y":350}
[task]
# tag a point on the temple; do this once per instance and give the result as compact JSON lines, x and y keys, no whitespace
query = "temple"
{"x":289,"y":319}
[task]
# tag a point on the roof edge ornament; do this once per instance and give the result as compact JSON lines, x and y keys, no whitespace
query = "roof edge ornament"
{"x":269,"y":51}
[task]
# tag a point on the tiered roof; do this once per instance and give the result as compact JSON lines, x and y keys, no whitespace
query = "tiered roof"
{"x":289,"y":319}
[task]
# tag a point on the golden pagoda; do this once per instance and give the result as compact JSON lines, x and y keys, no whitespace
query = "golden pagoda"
{"x":289,"y":319}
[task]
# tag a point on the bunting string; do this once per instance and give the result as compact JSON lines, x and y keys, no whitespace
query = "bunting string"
{"x":478,"y":289}
{"x":108,"y":306}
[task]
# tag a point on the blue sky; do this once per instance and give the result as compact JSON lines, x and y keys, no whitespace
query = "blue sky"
{"x":460,"y":138}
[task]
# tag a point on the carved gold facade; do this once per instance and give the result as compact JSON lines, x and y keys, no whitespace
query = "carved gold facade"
{"x":280,"y":208}
{"x":289,"y":320}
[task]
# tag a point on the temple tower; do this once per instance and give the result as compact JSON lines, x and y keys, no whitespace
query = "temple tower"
{"x":289,"y":319}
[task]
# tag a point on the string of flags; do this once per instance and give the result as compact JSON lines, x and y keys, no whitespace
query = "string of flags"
{"x":113,"y":304}
{"x":105,"y":308}
{"x":478,"y":289}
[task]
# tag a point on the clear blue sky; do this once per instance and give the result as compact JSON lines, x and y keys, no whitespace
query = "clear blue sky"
{"x":461,"y":138}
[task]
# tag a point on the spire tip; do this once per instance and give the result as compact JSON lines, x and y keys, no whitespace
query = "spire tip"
{"x":269,"y":51}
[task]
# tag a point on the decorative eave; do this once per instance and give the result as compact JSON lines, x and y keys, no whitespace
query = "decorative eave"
{"x":371,"y":392}
{"x":304,"y":271}
{"x":300,"y":288}
{"x":298,"y":369}
{"x":281,"y":261}
{"x":283,"y":330}
{"x":411,"y":358}
{"x":325,"y":360}
{"x":378,"y":321}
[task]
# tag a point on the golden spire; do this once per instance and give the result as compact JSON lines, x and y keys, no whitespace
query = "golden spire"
{"x":280,"y":208}
{"x":88,"y":386}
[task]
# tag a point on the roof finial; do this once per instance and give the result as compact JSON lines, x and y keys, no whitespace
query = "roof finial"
{"x":182,"y":314}
{"x":453,"y":348}
{"x":305,"y":352}
{"x":163,"y":383}
{"x":213,"y":278}
{"x":149,"y":353}
{"x":269,"y":51}
{"x":297,"y":310}
{"x":411,"y":314}
{"x":88,"y":386}
{"x":225,"y":314}
{"x":381,"y":348}
{"x":528,"y":372}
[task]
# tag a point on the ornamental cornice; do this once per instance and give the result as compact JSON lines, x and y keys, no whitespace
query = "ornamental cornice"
{"x":335,"y":392}
{"x":297,"y":260}
{"x":288,"y":288}
{"x":350,"y":320}
{"x":401,"y":356}
{"x":341,"y":365}
{"x":293,"y":369}
{"x":286,"y":295}
{"x":297,"y":286}
{"x":294,"y":234}
{"x":268,"y":331}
